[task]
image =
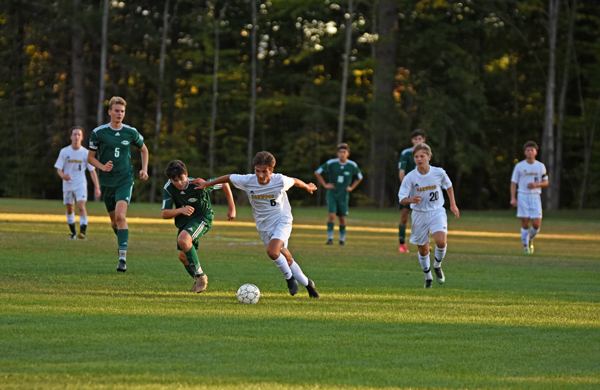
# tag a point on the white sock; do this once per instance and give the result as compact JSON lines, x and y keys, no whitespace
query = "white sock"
{"x":439,"y":256}
{"x":83,"y":220}
{"x":281,"y":263}
{"x":71,"y":218}
{"x":298,"y":274}
{"x":122,"y":255}
{"x":525,"y":237}
{"x":425,"y":265}
{"x":533,"y":233}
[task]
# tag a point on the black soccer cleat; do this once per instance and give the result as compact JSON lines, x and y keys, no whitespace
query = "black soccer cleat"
{"x":428,"y":283}
{"x":312,"y":290}
{"x":439,"y":274}
{"x":72,"y":236}
{"x":292,"y":285}
{"x":329,"y":242}
{"x":122,"y":267}
{"x":342,"y":243}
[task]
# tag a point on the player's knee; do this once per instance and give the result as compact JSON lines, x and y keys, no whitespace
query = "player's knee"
{"x":273,"y":253}
{"x":185,"y":243}
{"x":120,"y":217}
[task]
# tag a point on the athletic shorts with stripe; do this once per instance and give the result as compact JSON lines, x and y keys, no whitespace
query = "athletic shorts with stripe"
{"x":196,"y":228}
{"x":112,"y":195}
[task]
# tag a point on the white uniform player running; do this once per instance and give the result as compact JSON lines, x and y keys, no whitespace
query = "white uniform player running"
{"x":529,"y":176}
{"x":422,"y":189}
{"x":272,"y":214}
{"x":71,"y":166}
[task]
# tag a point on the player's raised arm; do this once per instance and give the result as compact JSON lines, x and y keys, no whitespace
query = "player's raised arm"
{"x":94,"y":161}
{"x":310,"y":187}
{"x":231,"y":213}
{"x":202,"y":184}
{"x":453,"y":206}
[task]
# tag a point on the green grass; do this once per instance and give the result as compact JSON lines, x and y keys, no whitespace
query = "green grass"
{"x":501,"y":321}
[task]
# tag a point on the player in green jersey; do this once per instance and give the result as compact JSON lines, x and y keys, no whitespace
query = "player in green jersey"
{"x":110,"y":152}
{"x":193,"y":215}
{"x":407,"y":164}
{"x":341,"y":173}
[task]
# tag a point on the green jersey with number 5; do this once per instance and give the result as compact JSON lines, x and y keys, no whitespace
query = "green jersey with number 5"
{"x":342,"y":175}
{"x":115,"y":145}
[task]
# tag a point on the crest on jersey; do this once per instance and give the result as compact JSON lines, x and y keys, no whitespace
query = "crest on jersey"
{"x":192,"y":200}
{"x":125,"y":142}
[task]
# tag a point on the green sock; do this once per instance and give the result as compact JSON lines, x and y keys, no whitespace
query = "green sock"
{"x":192,"y":257}
{"x":191,"y":269}
{"x":402,"y":233}
{"x":330,"y":230}
{"x":116,"y":231}
{"x":122,"y":238}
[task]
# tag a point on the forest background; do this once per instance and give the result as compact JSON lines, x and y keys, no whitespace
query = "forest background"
{"x":211,"y":83}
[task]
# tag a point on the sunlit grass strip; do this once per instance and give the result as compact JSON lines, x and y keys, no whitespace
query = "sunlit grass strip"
{"x":159,"y":221}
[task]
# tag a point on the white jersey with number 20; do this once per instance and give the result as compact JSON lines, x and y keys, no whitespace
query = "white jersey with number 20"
{"x":428,"y":186}
{"x":270,"y":204}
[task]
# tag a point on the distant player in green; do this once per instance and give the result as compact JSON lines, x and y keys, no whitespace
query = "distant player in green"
{"x":407,"y":164}
{"x":193,"y":215}
{"x":344,"y":175}
{"x":110,"y":152}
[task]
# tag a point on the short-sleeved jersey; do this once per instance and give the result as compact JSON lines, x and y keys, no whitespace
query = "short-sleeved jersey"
{"x":342,"y":175}
{"x":73,"y":162}
{"x":407,"y":161}
{"x":198,"y":199}
{"x":525,"y":173}
{"x":428,"y":186}
{"x":115,"y":145}
{"x":270,"y":204}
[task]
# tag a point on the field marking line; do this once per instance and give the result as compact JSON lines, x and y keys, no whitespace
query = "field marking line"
{"x":10,"y":217}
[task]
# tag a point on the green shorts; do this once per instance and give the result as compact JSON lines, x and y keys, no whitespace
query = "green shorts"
{"x":112,"y":195}
{"x":196,"y":228}
{"x":337,"y":206}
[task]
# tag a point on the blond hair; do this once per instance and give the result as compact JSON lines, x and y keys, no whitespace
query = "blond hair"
{"x":116,"y":100}
{"x":421,"y":147}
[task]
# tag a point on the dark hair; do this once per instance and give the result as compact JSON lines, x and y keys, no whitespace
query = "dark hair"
{"x":343,"y":146}
{"x":531,"y":144}
{"x":175,"y":169}
{"x":264,"y":158}
{"x":416,"y":133}
{"x":75,"y":128}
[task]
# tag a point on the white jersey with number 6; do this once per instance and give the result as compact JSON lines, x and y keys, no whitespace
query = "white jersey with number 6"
{"x":525,"y":173}
{"x":270,"y":204}
{"x":428,"y":186}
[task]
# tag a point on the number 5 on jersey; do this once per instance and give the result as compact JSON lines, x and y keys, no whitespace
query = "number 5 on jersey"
{"x":117,"y":153}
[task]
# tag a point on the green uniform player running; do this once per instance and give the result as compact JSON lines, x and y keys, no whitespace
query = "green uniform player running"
{"x":193,"y":215}
{"x":344,"y":175}
{"x":110,"y":152}
{"x":406,"y":165}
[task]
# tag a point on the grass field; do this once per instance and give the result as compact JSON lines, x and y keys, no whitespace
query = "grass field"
{"x":502,"y":320}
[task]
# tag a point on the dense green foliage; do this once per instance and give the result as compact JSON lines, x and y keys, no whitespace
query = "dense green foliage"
{"x":471,"y":73}
{"x":501,"y":320}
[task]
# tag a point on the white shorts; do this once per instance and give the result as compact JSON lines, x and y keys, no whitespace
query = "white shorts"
{"x":281,"y":232}
{"x":529,"y":206}
{"x":76,"y":195}
{"x":425,"y":222}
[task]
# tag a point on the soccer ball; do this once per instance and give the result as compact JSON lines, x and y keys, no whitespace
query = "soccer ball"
{"x":248,"y":293}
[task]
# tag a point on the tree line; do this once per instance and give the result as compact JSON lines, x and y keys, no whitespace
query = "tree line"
{"x":211,"y":83}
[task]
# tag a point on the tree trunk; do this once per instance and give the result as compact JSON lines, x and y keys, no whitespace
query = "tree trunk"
{"x":383,"y":88}
{"x":253,"y":90}
{"x":548,"y":134}
{"x":102,"y":82}
{"x":157,"y":123}
{"x":556,"y":175}
{"x":78,"y":68}
{"x":347,"y":53}
{"x":213,"y":117}
{"x":588,"y":144}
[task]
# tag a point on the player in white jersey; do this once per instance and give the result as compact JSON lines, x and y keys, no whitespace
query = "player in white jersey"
{"x":70,"y":166}
{"x":529,"y":176}
{"x":422,"y":189}
{"x":272,"y":214}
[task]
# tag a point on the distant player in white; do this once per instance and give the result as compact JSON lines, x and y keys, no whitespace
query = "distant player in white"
{"x":529,"y":176}
{"x":272,"y":214}
{"x":422,"y":189}
{"x":71,"y":166}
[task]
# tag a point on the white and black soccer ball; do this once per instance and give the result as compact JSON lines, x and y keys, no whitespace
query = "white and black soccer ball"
{"x":248,"y":294}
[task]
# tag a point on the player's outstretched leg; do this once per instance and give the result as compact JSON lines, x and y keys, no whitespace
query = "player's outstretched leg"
{"x":440,"y":253}
{"x":312,"y":290}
